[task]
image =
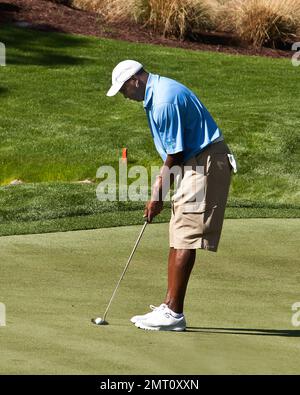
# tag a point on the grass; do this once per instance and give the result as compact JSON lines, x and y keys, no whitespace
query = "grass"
{"x":57,"y":126}
{"x":53,"y":207}
{"x":238,"y":305}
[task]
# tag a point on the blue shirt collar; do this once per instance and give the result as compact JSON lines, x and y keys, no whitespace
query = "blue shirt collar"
{"x":152,"y":79}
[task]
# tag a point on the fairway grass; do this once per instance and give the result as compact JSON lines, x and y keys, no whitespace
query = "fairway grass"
{"x":238,"y":306}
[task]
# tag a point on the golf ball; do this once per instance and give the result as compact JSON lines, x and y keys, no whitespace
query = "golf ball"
{"x":98,"y":321}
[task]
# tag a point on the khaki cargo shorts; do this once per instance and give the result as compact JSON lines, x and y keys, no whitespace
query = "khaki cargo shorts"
{"x":198,"y":205}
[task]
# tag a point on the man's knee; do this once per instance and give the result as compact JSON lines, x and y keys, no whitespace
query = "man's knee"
{"x":184,"y":257}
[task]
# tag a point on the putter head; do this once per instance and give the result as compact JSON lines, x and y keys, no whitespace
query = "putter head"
{"x":99,"y":321}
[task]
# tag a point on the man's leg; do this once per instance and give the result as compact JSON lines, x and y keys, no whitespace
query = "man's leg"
{"x":180,"y":266}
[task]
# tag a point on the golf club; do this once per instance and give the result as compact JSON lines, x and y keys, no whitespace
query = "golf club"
{"x":102,"y":321}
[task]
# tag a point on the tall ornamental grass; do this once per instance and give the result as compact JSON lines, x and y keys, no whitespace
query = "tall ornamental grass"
{"x":257,"y":22}
{"x":261,"y":22}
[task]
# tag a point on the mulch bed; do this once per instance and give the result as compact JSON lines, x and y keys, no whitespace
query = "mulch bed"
{"x":47,"y":16}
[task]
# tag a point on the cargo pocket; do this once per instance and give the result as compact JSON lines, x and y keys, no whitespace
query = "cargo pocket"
{"x":201,"y":217}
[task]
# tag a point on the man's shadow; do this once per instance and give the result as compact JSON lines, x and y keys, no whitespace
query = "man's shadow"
{"x":246,"y":331}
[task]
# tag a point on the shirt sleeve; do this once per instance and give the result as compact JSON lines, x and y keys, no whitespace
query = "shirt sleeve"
{"x":170,"y":127}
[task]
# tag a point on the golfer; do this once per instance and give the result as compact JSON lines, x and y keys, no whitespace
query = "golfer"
{"x":186,"y":137}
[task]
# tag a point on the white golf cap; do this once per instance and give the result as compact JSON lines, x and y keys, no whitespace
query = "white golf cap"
{"x":121,"y":73}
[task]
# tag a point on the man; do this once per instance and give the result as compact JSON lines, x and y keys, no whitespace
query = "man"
{"x":186,"y":136}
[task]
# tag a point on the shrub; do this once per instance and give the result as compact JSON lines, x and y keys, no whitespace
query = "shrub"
{"x":258,"y":22}
{"x":168,"y":17}
{"x":182,"y":17}
{"x":111,"y":10}
{"x":261,"y":22}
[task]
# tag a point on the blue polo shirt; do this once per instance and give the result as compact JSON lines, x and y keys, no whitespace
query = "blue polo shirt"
{"x":178,"y":120}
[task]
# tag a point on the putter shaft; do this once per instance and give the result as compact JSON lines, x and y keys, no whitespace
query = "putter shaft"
{"x":125,"y":269}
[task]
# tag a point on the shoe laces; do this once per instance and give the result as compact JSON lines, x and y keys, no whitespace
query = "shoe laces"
{"x":157,"y":308}
{"x":163,"y":306}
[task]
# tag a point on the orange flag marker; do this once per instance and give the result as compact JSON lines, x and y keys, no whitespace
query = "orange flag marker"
{"x":124,"y":154}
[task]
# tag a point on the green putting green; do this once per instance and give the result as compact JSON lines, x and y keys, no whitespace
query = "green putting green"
{"x":238,"y":305}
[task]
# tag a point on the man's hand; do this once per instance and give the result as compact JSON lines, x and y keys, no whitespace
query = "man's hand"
{"x":152,"y":209}
{"x":162,"y":186}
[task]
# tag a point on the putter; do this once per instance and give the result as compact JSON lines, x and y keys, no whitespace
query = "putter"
{"x":102,"y":321}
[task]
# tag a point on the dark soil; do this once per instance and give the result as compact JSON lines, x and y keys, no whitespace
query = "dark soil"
{"x":48,"y":16}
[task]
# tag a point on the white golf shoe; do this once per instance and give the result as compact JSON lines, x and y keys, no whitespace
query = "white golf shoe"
{"x":162,"y":320}
{"x":137,"y":318}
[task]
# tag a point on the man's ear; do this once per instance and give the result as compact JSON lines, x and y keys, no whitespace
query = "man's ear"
{"x":136,"y":81}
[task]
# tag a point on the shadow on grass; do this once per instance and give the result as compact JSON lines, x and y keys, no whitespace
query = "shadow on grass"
{"x":3,"y":90}
{"x":246,"y":331}
{"x":26,"y":46}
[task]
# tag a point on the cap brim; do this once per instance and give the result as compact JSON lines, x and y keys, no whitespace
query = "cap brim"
{"x":114,"y":89}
